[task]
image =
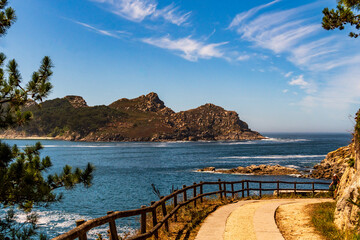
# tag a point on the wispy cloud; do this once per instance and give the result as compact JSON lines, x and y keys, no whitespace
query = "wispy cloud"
{"x":138,"y":10}
{"x":172,"y":14}
{"x":307,"y":86}
{"x":341,"y":91}
{"x":243,"y":57}
{"x":288,"y":74}
{"x":290,"y":31}
{"x":239,"y":18}
{"x":113,"y":34}
{"x":188,"y":48}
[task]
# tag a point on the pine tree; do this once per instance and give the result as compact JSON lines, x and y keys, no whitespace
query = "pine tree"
{"x":22,"y":184}
{"x":345,"y":13}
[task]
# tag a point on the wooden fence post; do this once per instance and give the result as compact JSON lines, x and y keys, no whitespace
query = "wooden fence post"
{"x":295,"y":188}
{"x":175,"y":204}
{"x":221,"y":196}
{"x":260,"y":189}
{"x":243,"y":189}
{"x":201,"y":191}
{"x":278,"y":188}
{"x":247,"y":188}
{"x":225,"y":190}
{"x":154,"y":219}
{"x":113,"y":231}
{"x":78,"y":223}
{"x":313,"y":188}
{"x":143,"y":221}
{"x":164,"y":214}
{"x":184,"y":194}
{"x":194,"y":194}
{"x":232,"y":190}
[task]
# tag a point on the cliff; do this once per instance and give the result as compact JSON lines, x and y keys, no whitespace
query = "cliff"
{"x":145,"y":118}
{"x":335,"y":163}
{"x":346,"y":213}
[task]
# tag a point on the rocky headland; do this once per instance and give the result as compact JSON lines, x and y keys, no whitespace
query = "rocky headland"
{"x":254,"y":170}
{"x":347,"y":212}
{"x":335,"y":163}
{"x":145,"y":118}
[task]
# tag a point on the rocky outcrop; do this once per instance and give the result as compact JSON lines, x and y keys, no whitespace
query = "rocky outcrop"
{"x":145,"y":118}
{"x":255,"y":170}
{"x":211,"y":122}
{"x":346,"y":213}
{"x":335,"y":163}
{"x":76,"y":101}
{"x":145,"y":103}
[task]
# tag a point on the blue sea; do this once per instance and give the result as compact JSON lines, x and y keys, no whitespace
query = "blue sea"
{"x":125,"y":171}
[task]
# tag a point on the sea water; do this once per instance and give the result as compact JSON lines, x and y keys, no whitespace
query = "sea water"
{"x":125,"y":171}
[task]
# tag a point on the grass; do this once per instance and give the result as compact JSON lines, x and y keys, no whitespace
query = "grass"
{"x":189,"y":219}
{"x":323,"y":219}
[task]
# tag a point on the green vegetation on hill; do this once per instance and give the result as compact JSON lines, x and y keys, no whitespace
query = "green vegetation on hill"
{"x":55,"y":117}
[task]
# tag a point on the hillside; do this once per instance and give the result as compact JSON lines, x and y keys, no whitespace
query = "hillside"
{"x":145,"y":118}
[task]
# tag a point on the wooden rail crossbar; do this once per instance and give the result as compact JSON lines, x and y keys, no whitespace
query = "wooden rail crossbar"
{"x":83,"y":226}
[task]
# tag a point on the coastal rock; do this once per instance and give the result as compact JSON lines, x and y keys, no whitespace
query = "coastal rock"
{"x":346,"y":216}
{"x":145,"y":118}
{"x":255,"y":170}
{"x":211,"y":122}
{"x":335,"y":163}
{"x":76,"y":101}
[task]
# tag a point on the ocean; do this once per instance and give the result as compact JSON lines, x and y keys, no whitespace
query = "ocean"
{"x":125,"y":171}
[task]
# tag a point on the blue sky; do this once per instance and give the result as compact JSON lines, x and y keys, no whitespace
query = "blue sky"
{"x":270,"y":61}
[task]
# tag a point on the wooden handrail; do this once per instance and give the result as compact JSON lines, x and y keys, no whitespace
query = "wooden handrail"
{"x":84,"y":226}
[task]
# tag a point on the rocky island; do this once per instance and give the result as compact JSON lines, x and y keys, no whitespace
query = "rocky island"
{"x":145,"y":118}
{"x":254,"y":170}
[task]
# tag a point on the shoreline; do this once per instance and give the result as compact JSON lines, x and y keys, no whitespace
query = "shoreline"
{"x":2,"y":137}
{"x":26,"y":138}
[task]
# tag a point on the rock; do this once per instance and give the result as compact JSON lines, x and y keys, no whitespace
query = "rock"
{"x":256,"y":170}
{"x":346,"y":216}
{"x":207,"y":169}
{"x":76,"y":101}
{"x":334,"y":163}
{"x":145,"y":118}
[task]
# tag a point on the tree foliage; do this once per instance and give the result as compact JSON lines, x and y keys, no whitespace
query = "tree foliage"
{"x":22,"y":181}
{"x":345,"y":13}
{"x":7,"y":17}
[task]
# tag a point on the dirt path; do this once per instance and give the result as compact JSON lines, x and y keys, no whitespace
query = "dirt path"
{"x":294,"y":220}
{"x":255,"y":220}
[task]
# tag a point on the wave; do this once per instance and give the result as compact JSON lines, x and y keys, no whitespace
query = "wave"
{"x":62,"y":222}
{"x":273,"y":157}
{"x":285,"y":140}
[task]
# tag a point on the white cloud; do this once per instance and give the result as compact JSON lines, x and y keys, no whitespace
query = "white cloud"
{"x":188,"y":48}
{"x":243,"y":58}
{"x":340,"y":92}
{"x":100,"y":31}
{"x":287,"y":31}
{"x":299,"y":81}
{"x":239,"y":18}
{"x":138,"y":10}
{"x":288,"y":74}
{"x":171,"y":14}
{"x":285,"y":90}
{"x":309,"y":87}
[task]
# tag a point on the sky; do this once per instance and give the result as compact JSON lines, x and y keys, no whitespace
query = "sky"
{"x":270,"y":61}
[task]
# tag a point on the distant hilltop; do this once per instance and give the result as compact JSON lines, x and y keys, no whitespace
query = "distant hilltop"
{"x":145,"y":118}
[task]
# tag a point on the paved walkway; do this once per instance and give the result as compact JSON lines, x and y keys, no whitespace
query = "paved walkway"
{"x":248,"y":220}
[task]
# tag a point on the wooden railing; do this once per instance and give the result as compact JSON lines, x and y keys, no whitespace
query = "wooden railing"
{"x":197,"y":192}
